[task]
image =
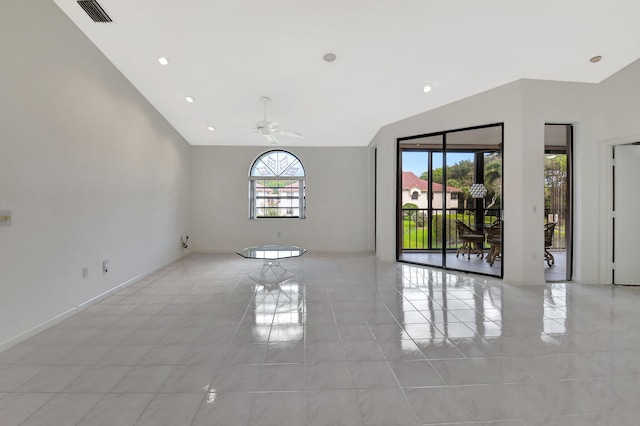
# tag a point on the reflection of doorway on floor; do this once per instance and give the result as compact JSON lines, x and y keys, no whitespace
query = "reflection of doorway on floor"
{"x":556,"y":273}
{"x":460,"y":263}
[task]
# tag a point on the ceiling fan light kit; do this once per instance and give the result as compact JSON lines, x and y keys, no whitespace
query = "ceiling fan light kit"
{"x":269,"y":129}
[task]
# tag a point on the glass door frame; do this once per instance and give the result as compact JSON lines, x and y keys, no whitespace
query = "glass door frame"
{"x":568,"y":151}
{"x":444,"y":149}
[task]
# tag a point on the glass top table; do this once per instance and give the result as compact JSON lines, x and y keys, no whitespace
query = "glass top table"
{"x":272,"y":273}
{"x":271,"y":252}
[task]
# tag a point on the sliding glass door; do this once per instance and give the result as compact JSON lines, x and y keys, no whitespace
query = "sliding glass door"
{"x":557,"y":202}
{"x":449,"y":196}
{"x":420,"y":228}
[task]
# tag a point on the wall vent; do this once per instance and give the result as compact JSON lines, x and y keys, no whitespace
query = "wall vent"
{"x":94,"y":10}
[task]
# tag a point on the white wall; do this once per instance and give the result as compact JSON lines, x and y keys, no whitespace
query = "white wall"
{"x":339,"y":215}
{"x":619,"y":103}
{"x":524,"y":106}
{"x":89,"y":169}
{"x":577,"y":104}
{"x":503,"y":104}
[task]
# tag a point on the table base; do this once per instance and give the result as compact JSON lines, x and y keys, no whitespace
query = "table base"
{"x":272,"y":273}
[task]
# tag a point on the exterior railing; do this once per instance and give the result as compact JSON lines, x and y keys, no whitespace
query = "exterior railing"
{"x":423,"y":228}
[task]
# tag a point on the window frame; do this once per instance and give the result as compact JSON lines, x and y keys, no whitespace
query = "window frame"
{"x":292,"y":181}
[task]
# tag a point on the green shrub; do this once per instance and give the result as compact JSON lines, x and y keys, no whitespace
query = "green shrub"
{"x":410,"y":206}
{"x":411,"y":215}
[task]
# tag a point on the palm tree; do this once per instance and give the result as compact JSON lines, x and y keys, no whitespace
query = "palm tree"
{"x":492,"y":178}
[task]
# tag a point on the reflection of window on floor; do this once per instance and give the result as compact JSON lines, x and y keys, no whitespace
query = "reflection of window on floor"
{"x":437,"y":305}
{"x":279,"y":312}
{"x":555,"y":309}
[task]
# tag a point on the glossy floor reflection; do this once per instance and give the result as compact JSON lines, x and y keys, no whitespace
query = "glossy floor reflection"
{"x":476,"y":265}
{"x":347,"y":341}
{"x":461,"y":263}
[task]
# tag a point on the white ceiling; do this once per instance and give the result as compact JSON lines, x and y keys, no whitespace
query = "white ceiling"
{"x":227,"y":54}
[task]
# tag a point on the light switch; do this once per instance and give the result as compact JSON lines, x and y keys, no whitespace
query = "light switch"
{"x":5,"y":217}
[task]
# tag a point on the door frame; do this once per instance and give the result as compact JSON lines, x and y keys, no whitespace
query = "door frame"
{"x":605,"y":254}
{"x":569,"y":225}
{"x":443,"y":134}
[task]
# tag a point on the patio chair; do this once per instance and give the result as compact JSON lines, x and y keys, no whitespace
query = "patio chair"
{"x":549,"y":228}
{"x":494,"y":239}
{"x":471,"y":240}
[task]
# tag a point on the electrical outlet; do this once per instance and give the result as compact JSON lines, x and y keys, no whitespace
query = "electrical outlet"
{"x":105,"y":266}
{"x":85,"y":272}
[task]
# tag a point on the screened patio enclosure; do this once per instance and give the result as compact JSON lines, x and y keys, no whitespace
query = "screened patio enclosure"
{"x":449,"y":199}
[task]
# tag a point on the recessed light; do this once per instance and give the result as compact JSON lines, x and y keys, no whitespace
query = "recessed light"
{"x":595,"y":59}
{"x":329,"y":57}
{"x":163,"y":60}
{"x":426,"y":88}
{"x":189,"y":99}
{"x":211,"y":128}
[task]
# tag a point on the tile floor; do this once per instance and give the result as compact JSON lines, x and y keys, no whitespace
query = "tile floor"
{"x":474,"y":264}
{"x":459,"y":263}
{"x":347,"y":341}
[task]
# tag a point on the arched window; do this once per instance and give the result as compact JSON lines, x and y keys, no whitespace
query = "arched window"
{"x":277,"y":186}
{"x":415,"y":195}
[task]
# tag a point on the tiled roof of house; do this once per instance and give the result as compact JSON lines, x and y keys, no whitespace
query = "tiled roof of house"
{"x":410,"y":181}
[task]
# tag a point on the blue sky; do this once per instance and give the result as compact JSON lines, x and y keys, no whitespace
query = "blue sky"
{"x":416,"y":161}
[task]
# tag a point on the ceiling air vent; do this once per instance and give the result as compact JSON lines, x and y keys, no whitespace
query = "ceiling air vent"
{"x":94,"y":10}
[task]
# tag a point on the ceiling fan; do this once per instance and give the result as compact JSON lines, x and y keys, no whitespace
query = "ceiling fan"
{"x":270,"y":129}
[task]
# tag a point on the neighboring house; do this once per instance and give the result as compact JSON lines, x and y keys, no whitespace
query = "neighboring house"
{"x":416,"y":191}
{"x":277,"y":200}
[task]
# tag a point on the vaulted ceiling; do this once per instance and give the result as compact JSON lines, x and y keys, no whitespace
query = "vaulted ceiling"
{"x":226,"y":55}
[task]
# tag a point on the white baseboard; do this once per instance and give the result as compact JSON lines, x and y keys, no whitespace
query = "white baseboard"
{"x":79,"y":308}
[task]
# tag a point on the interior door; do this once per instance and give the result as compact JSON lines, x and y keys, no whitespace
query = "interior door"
{"x":626,"y":207}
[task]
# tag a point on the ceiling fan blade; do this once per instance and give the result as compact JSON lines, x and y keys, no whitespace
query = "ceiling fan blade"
{"x":289,"y":134}
{"x":270,"y":138}
{"x":269,"y":129}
